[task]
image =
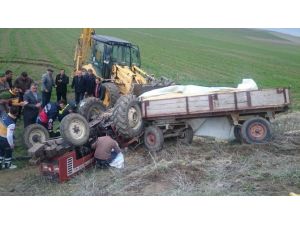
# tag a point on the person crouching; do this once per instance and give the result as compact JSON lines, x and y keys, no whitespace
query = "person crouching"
{"x":106,"y":150}
{"x":47,"y":116}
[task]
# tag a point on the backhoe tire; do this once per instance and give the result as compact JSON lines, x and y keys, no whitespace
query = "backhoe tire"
{"x":127,"y":116}
{"x":35,"y":133}
{"x":187,"y":136}
{"x":90,"y":108}
{"x":74,"y":129}
{"x":256,"y":130}
{"x":112,"y":94}
{"x":153,"y":139}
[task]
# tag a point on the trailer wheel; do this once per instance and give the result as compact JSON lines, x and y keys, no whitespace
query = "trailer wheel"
{"x":256,"y":131}
{"x":127,"y":116}
{"x":112,"y":94}
{"x":75,"y":129}
{"x":35,"y":133}
{"x":153,"y":138}
{"x":237,"y":133}
{"x":186,"y":136}
{"x":91,"y":107}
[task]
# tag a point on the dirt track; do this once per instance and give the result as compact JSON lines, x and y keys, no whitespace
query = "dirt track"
{"x":206,"y":167}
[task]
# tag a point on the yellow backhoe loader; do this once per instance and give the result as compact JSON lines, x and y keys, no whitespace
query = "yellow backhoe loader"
{"x":117,"y":62}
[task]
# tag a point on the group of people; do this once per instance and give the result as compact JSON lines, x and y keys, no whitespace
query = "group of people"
{"x":37,"y":107}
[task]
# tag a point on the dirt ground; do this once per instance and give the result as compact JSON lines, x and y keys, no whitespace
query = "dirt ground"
{"x":207,"y":167}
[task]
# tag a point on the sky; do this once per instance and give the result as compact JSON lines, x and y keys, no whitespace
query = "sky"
{"x":290,"y":31}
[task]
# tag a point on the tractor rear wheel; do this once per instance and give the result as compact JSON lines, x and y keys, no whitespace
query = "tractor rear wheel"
{"x":127,"y":116}
{"x":35,"y":133}
{"x":91,"y":107}
{"x":256,"y":131}
{"x":153,"y":138}
{"x":112,"y":94}
{"x":74,"y":129}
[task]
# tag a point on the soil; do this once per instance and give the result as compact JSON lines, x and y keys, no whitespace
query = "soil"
{"x":206,"y":167}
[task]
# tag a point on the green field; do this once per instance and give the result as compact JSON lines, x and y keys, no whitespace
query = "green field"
{"x":216,"y":57}
{"x":213,"y":57}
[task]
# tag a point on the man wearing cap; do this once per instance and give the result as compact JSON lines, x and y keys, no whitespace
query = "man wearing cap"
{"x":47,"y":85}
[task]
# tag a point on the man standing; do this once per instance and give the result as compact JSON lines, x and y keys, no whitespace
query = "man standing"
{"x":106,"y":150}
{"x":47,"y":84}
{"x":7,"y":127}
{"x":31,"y":109}
{"x":78,"y":84}
{"x":90,"y":83}
{"x":61,"y":82}
{"x":22,"y":83}
{"x":99,"y":89}
{"x":9,"y":75}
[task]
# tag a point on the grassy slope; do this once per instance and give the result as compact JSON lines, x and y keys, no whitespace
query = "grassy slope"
{"x":199,"y":56}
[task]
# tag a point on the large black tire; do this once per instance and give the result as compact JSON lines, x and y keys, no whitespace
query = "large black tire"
{"x":256,"y":131}
{"x":91,"y":107}
{"x":74,"y":129}
{"x":237,"y":133}
{"x":187,"y":136}
{"x":127,"y":116}
{"x":153,"y":138}
{"x":35,"y":133}
{"x":112,"y":94}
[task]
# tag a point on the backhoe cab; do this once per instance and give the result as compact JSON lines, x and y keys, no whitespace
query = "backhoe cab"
{"x":118,"y":64}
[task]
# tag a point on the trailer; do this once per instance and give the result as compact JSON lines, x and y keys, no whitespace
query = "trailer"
{"x":224,"y":114}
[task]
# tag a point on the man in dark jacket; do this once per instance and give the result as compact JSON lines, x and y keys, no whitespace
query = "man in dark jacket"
{"x":78,"y":84}
{"x":9,"y":75}
{"x":99,"y":89}
{"x":23,"y":83}
{"x":31,"y":109}
{"x":61,"y":82}
{"x":90,"y":83}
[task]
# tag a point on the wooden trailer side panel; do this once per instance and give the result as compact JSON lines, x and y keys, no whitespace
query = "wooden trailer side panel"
{"x":219,"y":102}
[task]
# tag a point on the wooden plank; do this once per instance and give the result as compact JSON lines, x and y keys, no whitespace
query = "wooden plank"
{"x":267,"y":97}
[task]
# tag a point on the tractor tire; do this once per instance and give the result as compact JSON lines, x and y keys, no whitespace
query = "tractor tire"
{"x":74,"y":129}
{"x":127,"y":116}
{"x":90,"y":108}
{"x":35,"y":133}
{"x":237,"y":133}
{"x":256,"y":131}
{"x":153,"y":138}
{"x":112,"y":94}
{"x":187,"y":136}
